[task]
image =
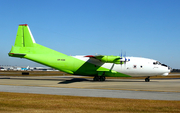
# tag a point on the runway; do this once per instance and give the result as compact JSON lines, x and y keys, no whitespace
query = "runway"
{"x":157,"y":89}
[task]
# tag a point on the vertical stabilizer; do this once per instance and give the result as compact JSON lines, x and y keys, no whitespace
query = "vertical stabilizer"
{"x":24,"y":37}
{"x":26,"y":47}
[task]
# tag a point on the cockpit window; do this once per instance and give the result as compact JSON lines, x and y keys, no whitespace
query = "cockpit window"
{"x":159,"y":63}
{"x":156,"y":63}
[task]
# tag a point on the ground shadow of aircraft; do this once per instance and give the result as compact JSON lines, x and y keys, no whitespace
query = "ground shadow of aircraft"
{"x":73,"y":80}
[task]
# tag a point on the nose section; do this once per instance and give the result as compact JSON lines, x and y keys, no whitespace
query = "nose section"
{"x":168,"y":70}
{"x":165,"y":74}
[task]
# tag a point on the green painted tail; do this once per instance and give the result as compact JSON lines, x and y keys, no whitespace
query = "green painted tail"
{"x":24,"y":37}
{"x":26,"y":47}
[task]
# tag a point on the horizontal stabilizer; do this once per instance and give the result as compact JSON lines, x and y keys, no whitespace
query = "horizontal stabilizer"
{"x":16,"y":55}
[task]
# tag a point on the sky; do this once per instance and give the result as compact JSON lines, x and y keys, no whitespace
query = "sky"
{"x":138,"y":28}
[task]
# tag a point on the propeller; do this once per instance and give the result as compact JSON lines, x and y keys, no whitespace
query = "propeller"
{"x":123,"y":58}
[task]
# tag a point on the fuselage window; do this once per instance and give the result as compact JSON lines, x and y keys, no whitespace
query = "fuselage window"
{"x":134,"y":66}
{"x":141,"y":66}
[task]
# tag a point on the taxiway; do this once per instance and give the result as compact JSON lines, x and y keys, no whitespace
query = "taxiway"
{"x":157,"y":89}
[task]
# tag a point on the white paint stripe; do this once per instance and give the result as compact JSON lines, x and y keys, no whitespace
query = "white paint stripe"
{"x":31,"y":35}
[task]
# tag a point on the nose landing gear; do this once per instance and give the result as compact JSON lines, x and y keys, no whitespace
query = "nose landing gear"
{"x":147,"y":79}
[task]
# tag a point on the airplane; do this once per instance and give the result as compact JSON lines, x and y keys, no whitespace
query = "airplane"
{"x":99,"y":66}
{"x":25,"y":68}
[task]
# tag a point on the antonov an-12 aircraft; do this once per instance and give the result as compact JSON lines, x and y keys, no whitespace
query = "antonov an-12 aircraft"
{"x":99,"y":66}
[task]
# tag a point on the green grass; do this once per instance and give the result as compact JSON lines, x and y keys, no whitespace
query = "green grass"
{"x":38,"y":103}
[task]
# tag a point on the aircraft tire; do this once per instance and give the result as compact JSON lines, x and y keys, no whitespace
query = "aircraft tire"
{"x":96,"y":78}
{"x":147,"y":79}
{"x":102,"y":78}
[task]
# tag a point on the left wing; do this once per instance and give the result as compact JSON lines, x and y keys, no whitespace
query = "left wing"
{"x":106,"y":59}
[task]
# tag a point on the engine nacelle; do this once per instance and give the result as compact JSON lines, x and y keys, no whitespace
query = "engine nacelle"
{"x":110,"y":59}
{"x":114,"y":59}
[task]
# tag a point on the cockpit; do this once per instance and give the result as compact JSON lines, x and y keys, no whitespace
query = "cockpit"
{"x":158,"y":63}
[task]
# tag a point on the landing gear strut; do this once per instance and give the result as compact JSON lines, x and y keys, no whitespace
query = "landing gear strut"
{"x":99,"y":78}
{"x":147,"y":79}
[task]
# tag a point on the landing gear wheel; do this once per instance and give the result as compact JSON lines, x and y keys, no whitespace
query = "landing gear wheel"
{"x":99,"y":78}
{"x":102,"y":78}
{"x":147,"y":79}
{"x":96,"y":78}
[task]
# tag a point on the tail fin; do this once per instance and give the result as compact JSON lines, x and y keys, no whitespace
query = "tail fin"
{"x":24,"y":37}
{"x":26,"y":47}
{"x":24,"y":42}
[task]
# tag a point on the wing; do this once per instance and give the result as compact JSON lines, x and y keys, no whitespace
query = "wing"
{"x":106,"y":59}
{"x":109,"y":58}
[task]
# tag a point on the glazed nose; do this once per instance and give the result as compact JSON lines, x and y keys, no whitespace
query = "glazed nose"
{"x":169,"y":68}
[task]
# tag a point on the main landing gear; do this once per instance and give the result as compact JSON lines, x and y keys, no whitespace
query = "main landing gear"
{"x":99,"y":78}
{"x":147,"y":79}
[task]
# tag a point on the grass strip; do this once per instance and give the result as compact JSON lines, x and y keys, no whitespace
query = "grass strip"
{"x":35,"y":103}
